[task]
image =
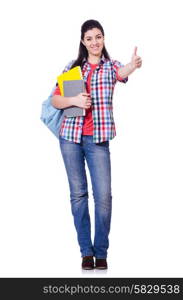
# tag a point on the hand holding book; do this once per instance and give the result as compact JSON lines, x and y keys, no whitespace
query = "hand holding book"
{"x":72,"y":85}
{"x":82,"y":100}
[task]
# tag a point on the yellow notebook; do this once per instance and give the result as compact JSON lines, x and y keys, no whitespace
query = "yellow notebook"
{"x":73,"y":74}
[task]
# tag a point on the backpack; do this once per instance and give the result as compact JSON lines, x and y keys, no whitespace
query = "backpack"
{"x":51,"y":116}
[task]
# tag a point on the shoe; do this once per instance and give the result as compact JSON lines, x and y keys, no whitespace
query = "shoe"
{"x":101,"y":263}
{"x":87,"y":263}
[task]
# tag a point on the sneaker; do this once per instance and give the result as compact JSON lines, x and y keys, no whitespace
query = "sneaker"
{"x":87,"y":263}
{"x":100,"y":263}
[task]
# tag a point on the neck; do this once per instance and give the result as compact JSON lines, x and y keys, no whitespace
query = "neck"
{"x":94,"y":59}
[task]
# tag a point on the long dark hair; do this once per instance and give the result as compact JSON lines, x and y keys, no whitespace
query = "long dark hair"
{"x":83,"y":52}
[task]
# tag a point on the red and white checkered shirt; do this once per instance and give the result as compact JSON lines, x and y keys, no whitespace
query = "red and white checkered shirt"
{"x":102,"y":86}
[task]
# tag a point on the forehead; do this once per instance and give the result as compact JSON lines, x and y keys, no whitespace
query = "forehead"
{"x":92,"y":32}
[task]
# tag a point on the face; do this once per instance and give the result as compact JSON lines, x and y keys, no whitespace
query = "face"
{"x":94,"y":41}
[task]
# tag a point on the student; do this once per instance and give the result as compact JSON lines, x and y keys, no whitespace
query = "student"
{"x":86,"y":138}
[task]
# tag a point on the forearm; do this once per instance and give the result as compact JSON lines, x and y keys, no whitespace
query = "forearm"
{"x":62,"y":102}
{"x":126,"y":70}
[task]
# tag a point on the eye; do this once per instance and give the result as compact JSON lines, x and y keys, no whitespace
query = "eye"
{"x":99,"y":37}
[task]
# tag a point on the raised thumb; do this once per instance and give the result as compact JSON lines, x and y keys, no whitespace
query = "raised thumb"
{"x":135,"y":51}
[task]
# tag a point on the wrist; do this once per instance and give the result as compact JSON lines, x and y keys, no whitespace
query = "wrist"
{"x":132,"y":66}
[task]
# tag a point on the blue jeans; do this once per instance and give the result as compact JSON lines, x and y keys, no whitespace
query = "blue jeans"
{"x":97,"y":156}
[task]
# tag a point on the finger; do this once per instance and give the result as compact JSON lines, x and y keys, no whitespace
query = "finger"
{"x":137,"y":58}
{"x":85,"y":94}
{"x":135,"y":50}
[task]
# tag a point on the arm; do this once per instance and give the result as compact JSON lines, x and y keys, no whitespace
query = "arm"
{"x":62,"y":102}
{"x":81,"y":100}
{"x":128,"y":69}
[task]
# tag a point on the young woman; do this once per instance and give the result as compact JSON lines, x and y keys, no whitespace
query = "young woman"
{"x":86,"y":138}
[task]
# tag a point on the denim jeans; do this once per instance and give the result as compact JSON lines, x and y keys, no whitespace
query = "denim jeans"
{"x":97,"y":156}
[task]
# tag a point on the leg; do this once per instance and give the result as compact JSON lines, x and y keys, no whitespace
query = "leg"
{"x":73,"y":157}
{"x":98,"y":160}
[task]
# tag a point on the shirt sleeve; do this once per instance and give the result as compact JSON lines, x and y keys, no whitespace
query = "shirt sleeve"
{"x":57,"y":91}
{"x":67,"y":68}
{"x":116,"y":66}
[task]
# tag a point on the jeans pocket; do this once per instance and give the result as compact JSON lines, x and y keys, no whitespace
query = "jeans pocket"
{"x":64,"y":141}
{"x":104,"y":144}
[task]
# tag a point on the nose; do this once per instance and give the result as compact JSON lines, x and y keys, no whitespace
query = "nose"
{"x":94,"y":44}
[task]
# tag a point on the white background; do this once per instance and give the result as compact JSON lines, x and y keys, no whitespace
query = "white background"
{"x":38,"y":238}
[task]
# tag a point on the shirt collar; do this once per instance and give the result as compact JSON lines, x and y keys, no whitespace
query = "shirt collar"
{"x":102,"y":59}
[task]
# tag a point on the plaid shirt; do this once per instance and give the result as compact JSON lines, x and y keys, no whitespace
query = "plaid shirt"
{"x":103,"y":81}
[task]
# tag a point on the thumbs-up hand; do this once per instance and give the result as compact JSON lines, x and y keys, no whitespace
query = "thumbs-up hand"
{"x":136,"y":60}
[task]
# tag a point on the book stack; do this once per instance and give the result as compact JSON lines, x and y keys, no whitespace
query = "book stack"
{"x":71,"y":83}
